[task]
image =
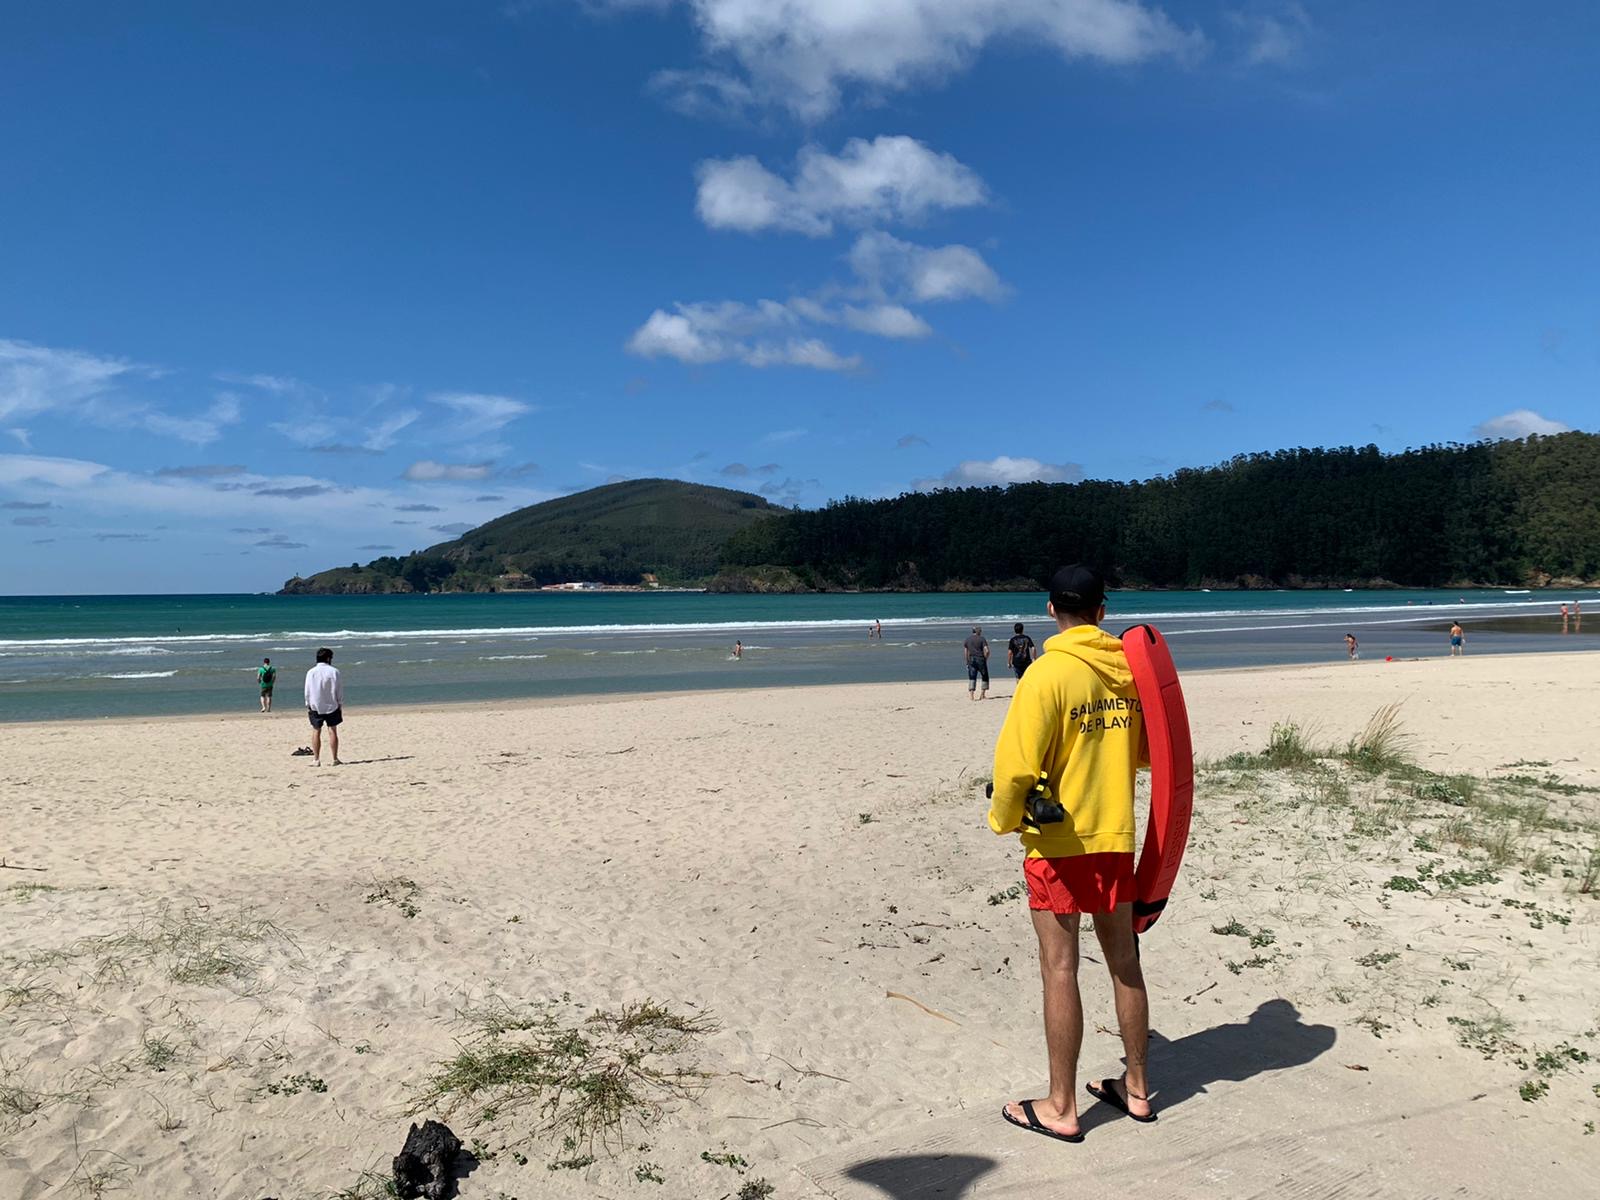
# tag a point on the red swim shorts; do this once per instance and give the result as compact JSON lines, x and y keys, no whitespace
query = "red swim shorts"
{"x":1083,"y":883}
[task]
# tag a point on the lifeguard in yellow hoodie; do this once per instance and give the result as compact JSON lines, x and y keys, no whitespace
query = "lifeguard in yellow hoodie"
{"x":1074,"y":741}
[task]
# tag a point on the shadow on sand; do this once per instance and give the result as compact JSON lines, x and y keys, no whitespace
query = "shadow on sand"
{"x":1271,"y":1039}
{"x":923,"y":1175}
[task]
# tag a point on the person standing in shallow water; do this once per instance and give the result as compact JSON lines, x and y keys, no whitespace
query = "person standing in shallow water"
{"x":1458,"y":640}
{"x":1352,"y":647}
{"x":266,"y":676}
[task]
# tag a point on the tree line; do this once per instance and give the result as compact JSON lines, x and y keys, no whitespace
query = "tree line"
{"x":1494,"y":513}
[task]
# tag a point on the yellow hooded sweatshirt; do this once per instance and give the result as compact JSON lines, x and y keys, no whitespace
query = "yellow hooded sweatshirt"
{"x":1075,"y":715}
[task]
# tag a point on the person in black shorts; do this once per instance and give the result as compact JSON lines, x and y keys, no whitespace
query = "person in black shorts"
{"x":324,"y":704}
{"x":1019,"y":650}
{"x":266,"y":676}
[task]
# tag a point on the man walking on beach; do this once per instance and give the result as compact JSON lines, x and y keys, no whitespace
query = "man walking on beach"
{"x":1075,"y":719}
{"x":324,"y":704}
{"x":976,"y":650}
{"x":1019,"y":650}
{"x":1458,"y":639}
{"x":266,"y":676}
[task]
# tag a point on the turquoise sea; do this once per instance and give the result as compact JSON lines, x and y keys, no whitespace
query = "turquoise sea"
{"x":88,"y":656}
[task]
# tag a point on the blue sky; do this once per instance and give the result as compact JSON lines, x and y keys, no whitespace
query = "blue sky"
{"x":284,"y":286}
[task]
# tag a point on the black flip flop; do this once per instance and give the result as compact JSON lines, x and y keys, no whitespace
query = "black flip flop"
{"x":1034,"y":1125}
{"x":1108,"y":1094}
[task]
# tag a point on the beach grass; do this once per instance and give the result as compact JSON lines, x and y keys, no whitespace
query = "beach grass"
{"x":188,"y":943}
{"x":589,"y":1079}
{"x":369,"y":1185}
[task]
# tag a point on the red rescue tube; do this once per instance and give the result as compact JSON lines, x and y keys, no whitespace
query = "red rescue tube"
{"x":1166,"y":723}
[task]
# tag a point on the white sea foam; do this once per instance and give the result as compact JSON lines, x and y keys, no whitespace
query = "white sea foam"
{"x":137,"y":675}
{"x":1267,"y":617}
{"x":507,"y":657}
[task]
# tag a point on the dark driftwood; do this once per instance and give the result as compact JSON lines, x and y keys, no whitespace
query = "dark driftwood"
{"x":425,"y":1166}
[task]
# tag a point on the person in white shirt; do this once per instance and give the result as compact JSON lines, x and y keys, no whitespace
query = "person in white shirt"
{"x":324,"y":704}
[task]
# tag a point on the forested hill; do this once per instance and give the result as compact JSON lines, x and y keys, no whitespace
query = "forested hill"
{"x":1505,"y":513}
{"x":612,"y":534}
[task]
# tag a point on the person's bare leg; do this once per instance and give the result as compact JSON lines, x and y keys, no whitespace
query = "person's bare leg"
{"x":333,"y":742}
{"x":316,"y":746}
{"x":1063,"y":1021}
{"x":1121,"y":952}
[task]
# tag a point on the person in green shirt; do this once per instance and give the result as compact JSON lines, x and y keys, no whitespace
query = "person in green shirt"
{"x":266,"y":676}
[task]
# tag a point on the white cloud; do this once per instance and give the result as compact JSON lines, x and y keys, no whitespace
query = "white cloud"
{"x":802,"y":55}
{"x":801,"y":352}
{"x":770,"y":333}
{"x":698,"y":334}
{"x":427,"y":471}
{"x":320,"y":425}
{"x":383,"y":435}
{"x":222,"y":499}
{"x":1274,"y":36}
{"x":885,"y":320}
{"x":278,"y":385}
{"x":40,"y":379}
{"x":478,"y":413}
{"x":201,"y":429}
{"x":891,"y":178}
{"x":1002,"y":471}
{"x":1518,"y":423}
{"x":891,"y":266}
{"x":18,"y":469}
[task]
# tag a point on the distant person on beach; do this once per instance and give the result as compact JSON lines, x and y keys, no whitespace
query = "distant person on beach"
{"x":1458,"y":640}
{"x":976,"y":651}
{"x":266,"y":676}
{"x":876,"y":631}
{"x":1019,"y":650}
{"x":324,"y":704}
{"x":1082,"y":862}
{"x":738,"y":649}
{"x":1352,"y":647}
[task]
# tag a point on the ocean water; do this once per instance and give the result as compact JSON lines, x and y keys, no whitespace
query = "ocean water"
{"x":90,"y":656}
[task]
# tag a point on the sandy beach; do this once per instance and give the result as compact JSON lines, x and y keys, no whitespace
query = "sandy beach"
{"x":230,"y":974}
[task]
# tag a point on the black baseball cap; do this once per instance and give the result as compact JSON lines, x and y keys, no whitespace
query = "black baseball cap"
{"x":1077,"y":588}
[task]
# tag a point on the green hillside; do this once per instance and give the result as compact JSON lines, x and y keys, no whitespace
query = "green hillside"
{"x":613,"y":534}
{"x":1512,"y":513}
